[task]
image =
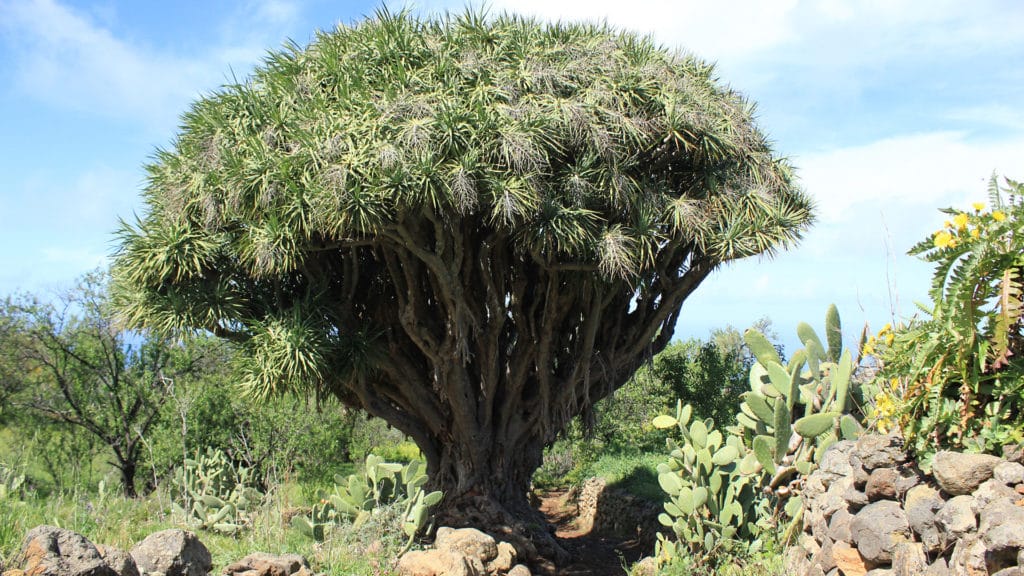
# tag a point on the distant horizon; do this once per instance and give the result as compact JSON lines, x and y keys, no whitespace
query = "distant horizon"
{"x":889,"y":111}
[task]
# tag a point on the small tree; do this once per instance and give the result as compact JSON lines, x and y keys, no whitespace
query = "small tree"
{"x":473,"y":228}
{"x":77,"y":368}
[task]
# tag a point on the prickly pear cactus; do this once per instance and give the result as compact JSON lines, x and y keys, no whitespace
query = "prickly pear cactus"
{"x":713,"y":486}
{"x":794,"y":411}
{"x":726,"y":489}
{"x":215,"y":494}
{"x":354,"y":499}
{"x":11,"y":483}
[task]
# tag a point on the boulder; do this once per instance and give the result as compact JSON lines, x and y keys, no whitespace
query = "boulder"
{"x":921,"y":504}
{"x":957,"y":518}
{"x":468,"y":542}
{"x":1009,"y":473}
{"x":881,"y":484}
{"x":839,"y":526}
{"x":504,"y":561}
{"x":435,"y":563}
{"x":848,"y":560}
{"x":990,"y":491}
{"x":52,"y":551}
{"x":1002,"y":532}
{"x":835,"y":463}
{"x":519,"y":570}
{"x":968,"y":557}
{"x":880,"y":451}
{"x":877,"y":529}
{"x":263,"y":564}
{"x":172,"y":553}
{"x":908,"y":559}
{"x":824,"y":558}
{"x":120,"y":561}
{"x":958,"y":473}
{"x":1014,"y":453}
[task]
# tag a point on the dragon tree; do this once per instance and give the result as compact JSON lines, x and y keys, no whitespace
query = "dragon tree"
{"x":472,"y":227}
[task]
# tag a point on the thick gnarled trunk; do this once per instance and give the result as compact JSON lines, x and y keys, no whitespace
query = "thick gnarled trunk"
{"x":491,"y":353}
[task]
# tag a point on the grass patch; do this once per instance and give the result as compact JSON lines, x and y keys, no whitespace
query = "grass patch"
{"x":116,"y":521}
{"x":633,"y":473}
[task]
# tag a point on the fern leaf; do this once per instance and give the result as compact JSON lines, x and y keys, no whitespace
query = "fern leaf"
{"x":1009,"y":309}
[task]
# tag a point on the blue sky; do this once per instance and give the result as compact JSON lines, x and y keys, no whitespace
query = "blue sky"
{"x":890,"y":110}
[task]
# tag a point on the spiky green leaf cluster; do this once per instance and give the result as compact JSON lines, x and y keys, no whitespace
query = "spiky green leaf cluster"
{"x":955,"y":377}
{"x":399,"y":184}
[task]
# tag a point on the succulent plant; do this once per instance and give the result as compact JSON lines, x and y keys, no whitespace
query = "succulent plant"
{"x":712,"y":483}
{"x":794,"y":412}
{"x":11,"y":483}
{"x":724,"y":490}
{"x":216,"y":494}
{"x":355,"y":498}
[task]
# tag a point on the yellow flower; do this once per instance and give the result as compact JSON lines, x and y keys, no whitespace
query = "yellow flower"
{"x":887,"y":327}
{"x":960,"y":220}
{"x":975,"y":233}
{"x":943,"y":239}
{"x":978,"y":206}
{"x":953,"y":243}
{"x":999,"y":216}
{"x":889,"y":339}
{"x":947,"y":224}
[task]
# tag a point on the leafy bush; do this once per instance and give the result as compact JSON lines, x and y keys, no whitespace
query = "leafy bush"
{"x":955,"y":378}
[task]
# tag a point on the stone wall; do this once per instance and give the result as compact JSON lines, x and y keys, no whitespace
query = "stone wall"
{"x":869,"y":510}
{"x":603,"y":510}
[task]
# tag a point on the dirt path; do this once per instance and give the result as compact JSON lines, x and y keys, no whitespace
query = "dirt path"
{"x":593,"y":554}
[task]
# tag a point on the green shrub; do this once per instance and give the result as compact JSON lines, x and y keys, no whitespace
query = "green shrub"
{"x":955,"y":378}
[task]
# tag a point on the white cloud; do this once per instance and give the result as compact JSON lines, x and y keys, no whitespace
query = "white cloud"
{"x":63,"y":58}
{"x":875,"y":202}
{"x":905,"y":175}
{"x":66,"y":58}
{"x":714,"y":30}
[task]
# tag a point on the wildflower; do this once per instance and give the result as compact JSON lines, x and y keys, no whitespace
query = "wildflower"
{"x":975,"y":233}
{"x":887,"y":327}
{"x":978,"y":206}
{"x":889,"y":339}
{"x":961,"y":220}
{"x":947,"y":224}
{"x":998,"y":215}
{"x":943,"y":239}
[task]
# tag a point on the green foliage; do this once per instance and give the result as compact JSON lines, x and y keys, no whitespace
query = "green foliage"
{"x":956,"y":377}
{"x":12,"y":484}
{"x":380,"y":485}
{"x":727,"y":489}
{"x":465,"y":225}
{"x":281,"y":437}
{"x":82,"y":374}
{"x":216,"y":494}
{"x":715,"y":503}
